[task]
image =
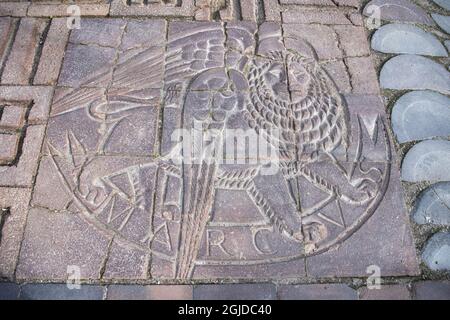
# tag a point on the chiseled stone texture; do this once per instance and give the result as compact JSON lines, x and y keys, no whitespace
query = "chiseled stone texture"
{"x":19,"y":65}
{"x":52,"y":53}
{"x":398,"y":10}
{"x":408,"y":39}
{"x":16,"y":200}
{"x":37,"y":9}
{"x":433,"y":205}
{"x":55,"y":240}
{"x":322,"y":16}
{"x":14,"y":9}
{"x":316,"y":292}
{"x":105,"y":200}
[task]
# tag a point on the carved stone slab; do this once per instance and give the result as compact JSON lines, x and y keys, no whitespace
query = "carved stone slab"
{"x":222,"y":152}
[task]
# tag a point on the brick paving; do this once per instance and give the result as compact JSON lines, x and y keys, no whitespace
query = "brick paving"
{"x":96,"y":184}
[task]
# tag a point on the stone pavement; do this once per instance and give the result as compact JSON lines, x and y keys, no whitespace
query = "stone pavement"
{"x":154,"y":149}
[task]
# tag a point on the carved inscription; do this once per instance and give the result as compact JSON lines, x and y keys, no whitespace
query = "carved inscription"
{"x":260,"y":159}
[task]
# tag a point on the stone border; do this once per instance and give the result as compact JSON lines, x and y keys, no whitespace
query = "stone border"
{"x":423,"y":290}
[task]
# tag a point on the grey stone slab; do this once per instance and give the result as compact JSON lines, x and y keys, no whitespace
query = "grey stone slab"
{"x":9,"y":291}
{"x":313,"y":15}
{"x":37,"y":9}
{"x":21,"y":171}
{"x":16,"y":200}
{"x":384,"y":241}
{"x":184,"y":9}
{"x":101,"y":177}
{"x":14,"y":9}
{"x":320,"y":37}
{"x":150,"y":292}
{"x":442,"y":3}
{"x":398,"y":10}
{"x":143,"y":33}
{"x":436,"y":253}
{"x":102,"y":32}
{"x":87,"y":65}
{"x":7,"y":25}
{"x":52,"y":53}
{"x":432,"y":290}
{"x":442,"y":21}
{"x":385,"y":292}
{"x":433,"y":205}
{"x":414,"y":72}
{"x":353,"y":40}
{"x":316,"y":292}
{"x":447,"y":44}
{"x":126,"y":263}
{"x":235,"y":292}
{"x":427,"y":161}
{"x":419,"y":115}
{"x":55,"y":242}
{"x":408,"y":39}
{"x":363,"y":77}
{"x":61,"y":292}
{"x":19,"y":66}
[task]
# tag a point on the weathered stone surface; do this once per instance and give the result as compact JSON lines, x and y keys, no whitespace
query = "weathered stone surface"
{"x":447,"y":45}
{"x":126,"y":263}
{"x":61,"y":292}
{"x":306,"y":16}
{"x":414,"y":72}
{"x":101,"y":32}
{"x":61,"y":10}
{"x":321,"y":38}
{"x":66,"y":240}
{"x":432,"y":290}
{"x":442,"y":21}
{"x":433,"y":205}
{"x":386,"y":292}
{"x":11,"y":234}
{"x":29,"y":107}
{"x":316,"y":292}
{"x":427,"y":161}
{"x":399,"y":10}
{"x":235,"y":292}
{"x":19,"y":65}
{"x":442,"y":3}
{"x":353,"y":40}
{"x":106,"y":200}
{"x":52,"y":53}
{"x":363,"y":77}
{"x":14,"y":9}
{"x":375,"y":244}
{"x":120,"y":8}
{"x":272,"y":10}
{"x":403,"y":38}
{"x":151,"y":292}
{"x":85,"y":62}
{"x":9,"y":291}
{"x":420,"y":115}
{"x":6,"y":32}
{"x":436,"y":253}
